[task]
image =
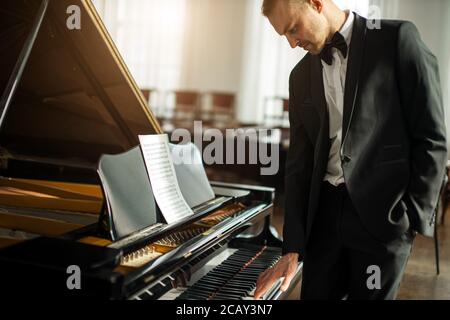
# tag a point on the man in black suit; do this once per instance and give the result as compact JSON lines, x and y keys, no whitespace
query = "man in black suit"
{"x":367,"y":150}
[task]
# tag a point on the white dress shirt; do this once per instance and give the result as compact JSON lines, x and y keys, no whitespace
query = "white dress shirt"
{"x":334,"y":85}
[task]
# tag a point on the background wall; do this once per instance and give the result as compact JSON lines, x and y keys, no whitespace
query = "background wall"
{"x":212,"y":51}
{"x":227,"y":45}
{"x":432,"y":18}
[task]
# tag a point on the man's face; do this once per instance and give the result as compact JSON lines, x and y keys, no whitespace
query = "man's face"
{"x":303,"y":24}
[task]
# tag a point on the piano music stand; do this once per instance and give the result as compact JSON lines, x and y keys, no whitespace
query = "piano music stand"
{"x":130,"y":204}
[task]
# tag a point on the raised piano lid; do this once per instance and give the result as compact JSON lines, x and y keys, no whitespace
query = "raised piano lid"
{"x":66,"y":98}
{"x":75,"y":99}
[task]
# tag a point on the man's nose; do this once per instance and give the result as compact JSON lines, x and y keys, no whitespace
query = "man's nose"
{"x":292,"y":42}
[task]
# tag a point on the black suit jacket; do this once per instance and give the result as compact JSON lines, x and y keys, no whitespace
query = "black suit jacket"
{"x":394,"y":147}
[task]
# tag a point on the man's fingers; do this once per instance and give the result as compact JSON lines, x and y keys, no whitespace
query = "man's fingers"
{"x":268,"y":278}
{"x":265,"y":281}
{"x":261,"y":288}
{"x":286,"y":282}
{"x":288,"y":278}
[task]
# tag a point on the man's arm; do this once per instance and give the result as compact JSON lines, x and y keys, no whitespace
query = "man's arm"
{"x":299,"y":167}
{"x":423,"y":108}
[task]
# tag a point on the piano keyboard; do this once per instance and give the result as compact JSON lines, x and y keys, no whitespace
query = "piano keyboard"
{"x":233,"y":279}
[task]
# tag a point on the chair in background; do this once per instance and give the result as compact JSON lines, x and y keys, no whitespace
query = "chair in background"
{"x":276,"y":112}
{"x":221,"y":113}
{"x":185,"y":108}
{"x":186,"y":104}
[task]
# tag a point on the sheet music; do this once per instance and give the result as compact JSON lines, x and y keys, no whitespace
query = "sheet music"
{"x":161,"y":171}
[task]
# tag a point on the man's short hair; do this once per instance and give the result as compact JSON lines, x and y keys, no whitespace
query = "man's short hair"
{"x":268,"y":5}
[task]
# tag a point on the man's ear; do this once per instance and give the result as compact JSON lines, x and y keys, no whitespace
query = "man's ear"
{"x":316,"y":5}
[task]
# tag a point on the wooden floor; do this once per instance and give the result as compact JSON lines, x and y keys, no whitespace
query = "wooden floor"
{"x":420,"y":281}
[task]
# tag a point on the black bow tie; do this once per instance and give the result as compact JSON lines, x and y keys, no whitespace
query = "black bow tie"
{"x":337,"y":42}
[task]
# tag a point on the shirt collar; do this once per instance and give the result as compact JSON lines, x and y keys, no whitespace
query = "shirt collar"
{"x":347,"y":28}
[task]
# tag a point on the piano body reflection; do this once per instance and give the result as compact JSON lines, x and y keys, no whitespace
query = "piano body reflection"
{"x":67,"y":98}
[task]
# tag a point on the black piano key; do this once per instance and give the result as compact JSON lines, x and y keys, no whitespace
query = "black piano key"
{"x":193,"y":296}
{"x":251,"y":269}
{"x":210,"y":283}
{"x":240,"y":285}
{"x":213,"y":279}
{"x":243,"y":280}
{"x":201,"y":290}
{"x":224,"y":274}
{"x":244,"y":277}
{"x":233,"y":292}
{"x":246,"y":285}
{"x":205,"y":288}
{"x":198,"y":294}
{"x":221,"y":296}
{"x":226,"y":269}
{"x":217,"y":277}
{"x":249,"y":273}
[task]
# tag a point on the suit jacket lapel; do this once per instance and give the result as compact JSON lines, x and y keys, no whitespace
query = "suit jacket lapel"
{"x":317,"y":89}
{"x":322,"y":146}
{"x":320,"y":103}
{"x":353,"y":71}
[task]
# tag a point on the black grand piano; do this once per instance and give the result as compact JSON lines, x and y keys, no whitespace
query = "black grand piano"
{"x":67,"y":100}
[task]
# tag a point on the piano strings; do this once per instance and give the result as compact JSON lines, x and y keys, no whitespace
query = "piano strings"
{"x":154,"y":250}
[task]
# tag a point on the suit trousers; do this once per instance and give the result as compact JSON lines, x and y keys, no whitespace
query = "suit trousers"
{"x":342,"y":260}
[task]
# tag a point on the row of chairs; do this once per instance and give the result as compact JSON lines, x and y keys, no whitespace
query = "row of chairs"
{"x":215,"y":108}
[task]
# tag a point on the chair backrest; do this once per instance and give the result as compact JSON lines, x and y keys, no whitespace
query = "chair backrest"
{"x":223,"y":101}
{"x":222,"y":111}
{"x":186,"y":104}
{"x":186,"y":99}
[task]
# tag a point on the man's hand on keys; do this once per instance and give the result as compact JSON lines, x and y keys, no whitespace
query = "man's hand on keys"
{"x":285,"y":268}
